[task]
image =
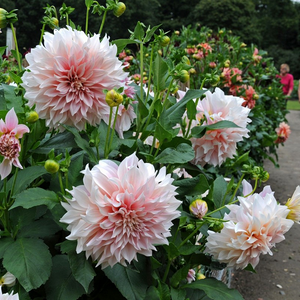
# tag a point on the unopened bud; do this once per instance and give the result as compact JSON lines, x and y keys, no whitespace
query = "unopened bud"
{"x":32,"y":116}
{"x":51,"y":166}
{"x":198,"y":208}
{"x":217,"y":226}
{"x":113,"y":98}
{"x":200,"y":276}
{"x":164,"y":41}
{"x":177,"y":32}
{"x":212,"y":64}
{"x":119,"y":9}
{"x":184,"y":76}
{"x":53,"y":23}
{"x":255,"y":97}
{"x":192,"y":71}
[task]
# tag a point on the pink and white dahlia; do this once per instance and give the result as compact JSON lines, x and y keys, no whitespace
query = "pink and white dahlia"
{"x":293,"y":205}
{"x":10,"y":147}
{"x":217,"y":145}
{"x":283,"y":132}
{"x":253,"y":228}
{"x":120,"y":211}
{"x":68,"y":75}
{"x":7,"y":296}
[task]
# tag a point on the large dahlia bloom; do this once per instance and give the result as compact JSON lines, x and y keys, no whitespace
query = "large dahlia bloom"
{"x":120,"y":211}
{"x":253,"y":228}
{"x":68,"y":75}
{"x":10,"y":147}
{"x":217,"y":145}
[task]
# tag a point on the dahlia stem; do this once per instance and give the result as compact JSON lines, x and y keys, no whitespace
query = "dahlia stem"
{"x":13,"y":186}
{"x":168,"y":93}
{"x":142,"y":71}
{"x":150,"y":72}
{"x":42,"y":33}
{"x":61,"y":183}
{"x":106,"y":150}
{"x":17,"y":48}
{"x":102,"y":23}
{"x":113,"y":128}
{"x":192,"y":234}
{"x":254,"y":189}
{"x":237,"y":187}
{"x":167,"y":270}
{"x":87,"y":20}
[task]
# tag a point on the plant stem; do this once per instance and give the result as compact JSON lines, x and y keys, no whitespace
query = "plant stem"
{"x":102,"y":23}
{"x":106,"y":150}
{"x":192,"y":234}
{"x":61,"y":183}
{"x":167,"y":270}
{"x":87,"y":20}
{"x":17,"y":48}
{"x":150,"y":73}
{"x":42,"y":33}
{"x":113,"y":129}
{"x":142,"y":71}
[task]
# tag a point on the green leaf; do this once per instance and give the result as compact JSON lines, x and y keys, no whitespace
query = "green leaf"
{"x":82,"y":269}
{"x":41,"y":228}
{"x":11,"y":99}
{"x":25,"y":177}
{"x":191,"y":110}
{"x":192,"y":186}
{"x":172,"y":251}
{"x":74,"y":175}
{"x":152,"y":294}
{"x":199,"y":131}
{"x":88,"y":3}
{"x":30,"y":261}
{"x":61,"y":284}
{"x":139,"y":31}
{"x":122,"y":43}
{"x":82,"y":143}
{"x":162,"y":134}
{"x":219,"y":190}
{"x":160,"y":72}
{"x":60,"y":141}
{"x":214,"y":289}
{"x":172,"y":116}
{"x":150,"y":32}
{"x":179,"y":276}
{"x":178,"y":294}
{"x":250,"y":268}
{"x":35,"y":197}
{"x":5,"y":242}
{"x":183,"y":153}
{"x":164,"y":291}
{"x":130,"y":283}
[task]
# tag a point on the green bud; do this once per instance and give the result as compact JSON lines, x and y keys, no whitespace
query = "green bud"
{"x":53,"y":23}
{"x":51,"y":166}
{"x":32,"y":116}
{"x":119,"y":9}
{"x":184,"y":76}
{"x":164,"y":41}
{"x":113,"y":98}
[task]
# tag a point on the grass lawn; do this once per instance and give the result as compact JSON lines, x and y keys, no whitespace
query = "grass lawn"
{"x":293,"y":105}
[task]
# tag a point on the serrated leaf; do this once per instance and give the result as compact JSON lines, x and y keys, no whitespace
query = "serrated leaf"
{"x":122,"y":43}
{"x":81,"y":268}
{"x":29,"y":260}
{"x":11,"y":99}
{"x":214,"y":289}
{"x":179,"y":275}
{"x":183,"y":153}
{"x":160,"y":72}
{"x":61,"y":284}
{"x":35,"y":197}
{"x":219,"y":190}
{"x":25,"y":177}
{"x":130,"y":283}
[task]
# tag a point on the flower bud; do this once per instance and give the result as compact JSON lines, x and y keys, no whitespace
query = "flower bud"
{"x":265,"y":176}
{"x":255,"y":97}
{"x":198,"y":208}
{"x":32,"y":116}
{"x":51,"y":166}
{"x":243,"y":45}
{"x":217,"y":226}
{"x":221,"y":31}
{"x":164,"y":41}
{"x":184,"y":76}
{"x":177,"y":32}
{"x":186,"y":60}
{"x":212,"y":64}
{"x":119,"y":9}
{"x":53,"y":23}
{"x":3,"y":21}
{"x":113,"y":98}
{"x":192,"y":71}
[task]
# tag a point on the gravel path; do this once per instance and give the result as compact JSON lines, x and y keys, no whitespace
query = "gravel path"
{"x":277,"y":276}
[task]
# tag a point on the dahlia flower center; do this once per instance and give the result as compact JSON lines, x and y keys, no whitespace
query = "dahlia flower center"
{"x":9,"y":146}
{"x":76,"y":84}
{"x":131,"y":222}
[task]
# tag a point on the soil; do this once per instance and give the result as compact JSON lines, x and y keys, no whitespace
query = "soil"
{"x":277,"y":275}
